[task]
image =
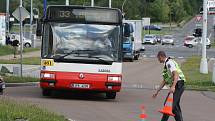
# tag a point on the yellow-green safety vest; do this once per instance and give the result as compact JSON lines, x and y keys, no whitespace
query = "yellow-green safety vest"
{"x":167,"y":75}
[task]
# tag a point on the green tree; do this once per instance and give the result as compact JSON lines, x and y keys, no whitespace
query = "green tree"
{"x":159,"y":11}
{"x":3,"y":6}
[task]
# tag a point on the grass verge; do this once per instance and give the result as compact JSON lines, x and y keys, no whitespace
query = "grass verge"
{"x":12,"y":111}
{"x":196,"y":80}
{"x":15,"y":28}
{"x":7,"y":50}
{"x":162,"y":32}
{"x":16,"y":79}
{"x":27,"y":61}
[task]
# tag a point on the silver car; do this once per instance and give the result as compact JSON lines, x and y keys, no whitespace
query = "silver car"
{"x":167,"y":39}
{"x":150,"y":39}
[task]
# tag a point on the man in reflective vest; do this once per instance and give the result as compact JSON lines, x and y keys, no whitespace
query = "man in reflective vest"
{"x":174,"y":77}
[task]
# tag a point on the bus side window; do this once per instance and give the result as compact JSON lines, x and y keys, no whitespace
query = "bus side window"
{"x":50,"y":48}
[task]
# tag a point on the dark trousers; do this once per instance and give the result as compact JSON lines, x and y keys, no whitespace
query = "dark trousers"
{"x":176,"y":109}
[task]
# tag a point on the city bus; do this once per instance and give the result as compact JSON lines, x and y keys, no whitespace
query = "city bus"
{"x":81,"y":50}
{"x":211,"y":10}
{"x":211,"y":6}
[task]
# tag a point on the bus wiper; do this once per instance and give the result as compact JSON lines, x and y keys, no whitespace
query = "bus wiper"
{"x":98,"y":58}
{"x":73,"y":52}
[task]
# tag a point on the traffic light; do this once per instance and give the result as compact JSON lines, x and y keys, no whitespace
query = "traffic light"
{"x":198,"y":32}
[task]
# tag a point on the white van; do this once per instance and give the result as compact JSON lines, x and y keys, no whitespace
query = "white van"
{"x":26,"y":42}
{"x":194,"y":42}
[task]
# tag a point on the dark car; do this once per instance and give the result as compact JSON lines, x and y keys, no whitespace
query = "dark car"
{"x":2,"y":85}
{"x":152,"y":27}
{"x":159,"y":38}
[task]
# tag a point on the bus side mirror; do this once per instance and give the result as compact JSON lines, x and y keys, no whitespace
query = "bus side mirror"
{"x":132,"y":39}
{"x":39,"y":28}
{"x":127,"y":30}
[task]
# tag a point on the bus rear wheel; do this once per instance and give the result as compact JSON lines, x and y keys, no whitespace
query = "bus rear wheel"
{"x":110,"y":95}
{"x":1,"y":91}
{"x":46,"y":92}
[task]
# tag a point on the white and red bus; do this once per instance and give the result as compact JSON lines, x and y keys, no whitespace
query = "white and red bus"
{"x":82,"y":50}
{"x":211,"y":6}
{"x":211,"y":10}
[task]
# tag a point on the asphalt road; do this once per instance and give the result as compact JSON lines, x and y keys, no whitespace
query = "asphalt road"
{"x":139,"y":80}
{"x":178,"y":50}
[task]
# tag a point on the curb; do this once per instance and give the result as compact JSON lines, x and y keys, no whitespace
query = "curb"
{"x":35,"y":84}
{"x":206,"y":94}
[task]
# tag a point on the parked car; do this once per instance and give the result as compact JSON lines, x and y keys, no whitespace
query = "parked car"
{"x":167,"y":39}
{"x":26,"y":42}
{"x":194,"y":42}
{"x":158,"y":38}
{"x":187,"y":39}
{"x":2,"y":85}
{"x":152,"y":27}
{"x":150,"y":39}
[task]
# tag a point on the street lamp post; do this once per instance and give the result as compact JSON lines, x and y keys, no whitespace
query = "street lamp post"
{"x":204,"y":63}
{"x":67,"y":2}
{"x":123,"y":4}
{"x":110,"y":3}
{"x":92,"y":3}
{"x":31,"y":25}
{"x":21,"y":40}
{"x":170,"y":15}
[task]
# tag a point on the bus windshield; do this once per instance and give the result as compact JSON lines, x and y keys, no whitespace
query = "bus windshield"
{"x":80,"y":42}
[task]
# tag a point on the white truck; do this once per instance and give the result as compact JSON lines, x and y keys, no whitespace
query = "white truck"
{"x":132,"y":46}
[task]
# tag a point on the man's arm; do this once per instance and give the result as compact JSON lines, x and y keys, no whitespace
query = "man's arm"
{"x":162,"y":84}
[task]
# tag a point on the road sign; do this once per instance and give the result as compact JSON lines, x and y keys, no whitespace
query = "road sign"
{"x":198,"y":18}
{"x":25,"y":14}
{"x":145,"y":21}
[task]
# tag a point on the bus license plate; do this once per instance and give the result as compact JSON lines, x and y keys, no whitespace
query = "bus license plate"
{"x":84,"y":86}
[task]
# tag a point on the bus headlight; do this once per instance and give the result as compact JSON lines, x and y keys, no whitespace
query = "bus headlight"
{"x":116,"y":79}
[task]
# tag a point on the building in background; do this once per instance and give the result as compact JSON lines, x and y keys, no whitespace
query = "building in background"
{"x":2,"y":28}
{"x":2,"y":21}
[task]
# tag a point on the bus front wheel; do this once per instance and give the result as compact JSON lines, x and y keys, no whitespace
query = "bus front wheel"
{"x":110,"y":95}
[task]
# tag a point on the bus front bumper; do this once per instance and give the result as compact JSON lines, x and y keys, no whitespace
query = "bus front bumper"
{"x":86,"y":86}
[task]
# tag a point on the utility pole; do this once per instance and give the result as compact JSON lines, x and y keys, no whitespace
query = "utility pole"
{"x":92,"y":3}
{"x":204,"y":63}
{"x":20,"y":32}
{"x":110,"y":3}
{"x":67,"y":2}
{"x":7,"y":16}
{"x":170,"y":15}
{"x":31,"y":26}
